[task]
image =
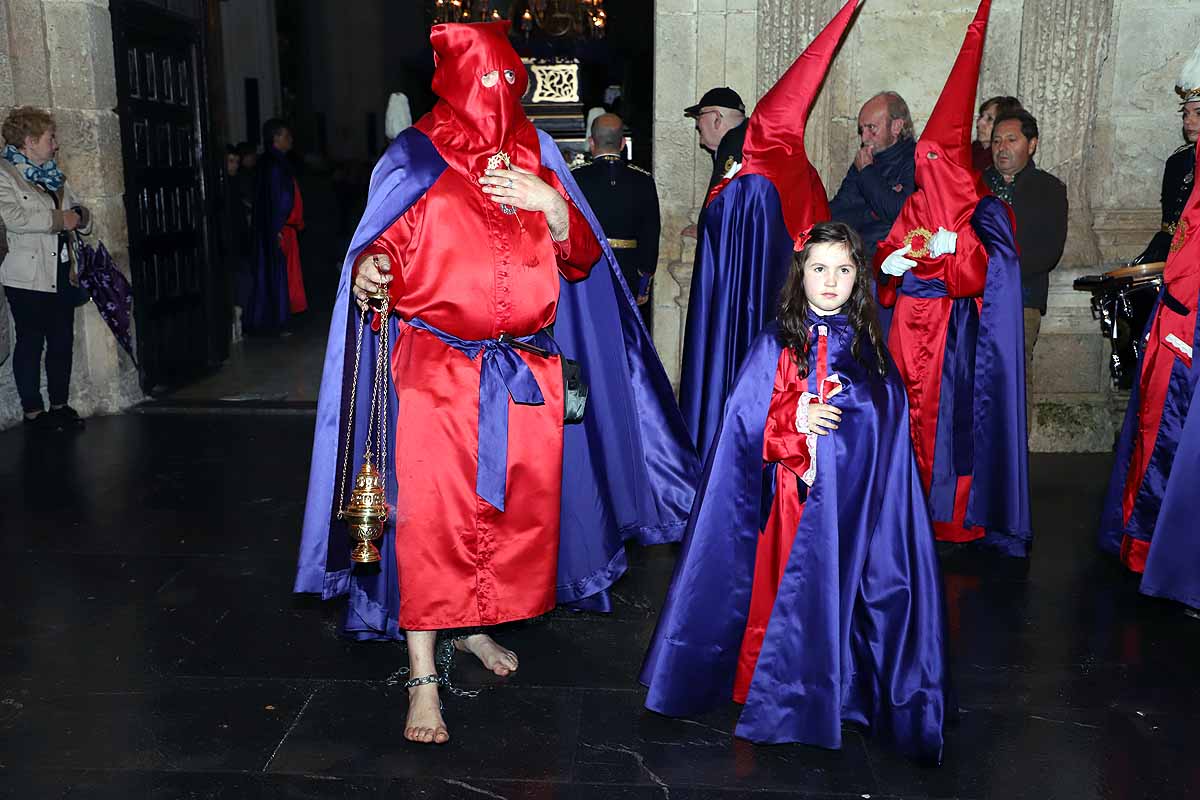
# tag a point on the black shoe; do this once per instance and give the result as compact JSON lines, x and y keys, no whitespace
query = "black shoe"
{"x":68,"y":419}
{"x":42,"y":423}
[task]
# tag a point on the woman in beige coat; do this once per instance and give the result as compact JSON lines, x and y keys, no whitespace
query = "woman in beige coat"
{"x":39,"y":209}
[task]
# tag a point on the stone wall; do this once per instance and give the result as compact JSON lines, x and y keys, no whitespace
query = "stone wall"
{"x":1098,"y":74}
{"x":58,"y":54}
{"x":698,"y":44}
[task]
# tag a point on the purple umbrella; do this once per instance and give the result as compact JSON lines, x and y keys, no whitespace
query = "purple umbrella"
{"x":110,"y":291}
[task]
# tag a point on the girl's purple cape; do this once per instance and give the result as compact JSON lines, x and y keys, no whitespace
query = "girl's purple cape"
{"x":629,"y":471}
{"x":857,"y":630}
{"x":1166,"y":507}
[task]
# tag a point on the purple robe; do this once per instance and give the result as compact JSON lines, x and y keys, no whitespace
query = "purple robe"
{"x":742,"y":259}
{"x":1167,"y":505}
{"x":268,"y":307}
{"x":857,"y":629}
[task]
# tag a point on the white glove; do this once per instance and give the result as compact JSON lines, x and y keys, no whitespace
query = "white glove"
{"x":942,"y":243}
{"x":896,"y":264}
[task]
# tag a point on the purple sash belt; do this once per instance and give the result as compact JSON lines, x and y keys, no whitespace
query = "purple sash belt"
{"x":503,"y":374}
{"x":954,"y":443}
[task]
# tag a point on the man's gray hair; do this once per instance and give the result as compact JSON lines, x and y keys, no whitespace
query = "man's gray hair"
{"x":898,"y":109}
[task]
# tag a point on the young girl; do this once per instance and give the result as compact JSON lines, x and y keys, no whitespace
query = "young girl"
{"x":808,"y":587}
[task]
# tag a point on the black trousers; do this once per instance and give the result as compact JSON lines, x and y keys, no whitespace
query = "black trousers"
{"x":41,"y":318}
{"x":631,"y":280}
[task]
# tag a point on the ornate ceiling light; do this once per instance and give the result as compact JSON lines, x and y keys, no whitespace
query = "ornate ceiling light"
{"x":554,"y":18}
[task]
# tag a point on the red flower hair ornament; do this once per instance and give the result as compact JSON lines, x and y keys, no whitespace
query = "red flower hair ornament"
{"x":802,"y":239}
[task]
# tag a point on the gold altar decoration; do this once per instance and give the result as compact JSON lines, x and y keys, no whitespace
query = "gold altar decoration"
{"x":366,"y":511}
{"x":555,"y":83}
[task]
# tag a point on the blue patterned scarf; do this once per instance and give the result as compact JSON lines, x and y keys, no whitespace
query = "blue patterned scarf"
{"x":47,"y":175}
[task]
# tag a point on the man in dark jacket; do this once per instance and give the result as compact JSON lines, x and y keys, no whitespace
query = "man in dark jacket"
{"x":721,"y":123}
{"x":881,"y":177}
{"x":625,"y":200}
{"x":1039,"y":202}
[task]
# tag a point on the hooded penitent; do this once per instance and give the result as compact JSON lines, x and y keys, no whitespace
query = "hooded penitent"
{"x":957,"y":333}
{"x":1151,"y":508}
{"x":947,"y":187}
{"x":472,"y":119}
{"x":478,"y":473}
{"x":746,"y":232}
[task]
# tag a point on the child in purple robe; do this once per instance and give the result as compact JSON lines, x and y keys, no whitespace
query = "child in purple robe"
{"x":808,"y":587}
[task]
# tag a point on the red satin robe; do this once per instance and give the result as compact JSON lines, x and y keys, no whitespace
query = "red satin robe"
{"x":289,"y":243}
{"x":795,"y":454}
{"x":1170,"y":338}
{"x":463,"y":266}
{"x":918,"y":345}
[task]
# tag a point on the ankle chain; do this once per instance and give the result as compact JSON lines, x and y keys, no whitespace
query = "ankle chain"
{"x":412,"y":683}
{"x":444,"y":659}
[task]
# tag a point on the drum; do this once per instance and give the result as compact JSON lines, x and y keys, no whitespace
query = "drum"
{"x":1122,"y":300}
{"x":1138,"y":273}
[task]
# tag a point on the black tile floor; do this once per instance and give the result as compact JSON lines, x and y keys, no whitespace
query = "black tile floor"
{"x":150,"y":647}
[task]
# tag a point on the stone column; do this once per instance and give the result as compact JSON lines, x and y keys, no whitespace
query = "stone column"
{"x":1063,"y":46}
{"x":698,"y":44}
{"x":1137,"y":123}
{"x":7,"y":93}
{"x":59,"y":54}
{"x":785,"y":28}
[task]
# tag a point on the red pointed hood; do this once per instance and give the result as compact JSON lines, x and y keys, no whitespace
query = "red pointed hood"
{"x":948,"y":188}
{"x":471,"y":121}
{"x":952,"y":122}
{"x":774,"y":146}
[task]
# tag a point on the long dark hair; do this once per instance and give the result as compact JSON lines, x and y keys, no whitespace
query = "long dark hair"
{"x":867,"y":347}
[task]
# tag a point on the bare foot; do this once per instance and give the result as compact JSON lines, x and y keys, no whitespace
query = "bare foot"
{"x":425,"y":723}
{"x":493,"y":657}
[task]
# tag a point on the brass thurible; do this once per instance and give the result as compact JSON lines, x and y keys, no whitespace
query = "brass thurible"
{"x":366,"y":509}
{"x":365,"y":514}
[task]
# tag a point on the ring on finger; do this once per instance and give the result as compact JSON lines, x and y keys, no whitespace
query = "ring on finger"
{"x":510,"y":183}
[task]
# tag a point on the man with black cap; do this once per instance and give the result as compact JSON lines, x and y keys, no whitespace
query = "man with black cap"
{"x":721,"y":122}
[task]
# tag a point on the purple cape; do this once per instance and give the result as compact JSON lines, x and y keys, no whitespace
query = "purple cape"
{"x":981,"y":425}
{"x":1166,"y":507}
{"x":628,"y":471}
{"x":857,"y":629}
{"x":742,"y":259}
{"x":269,"y":306}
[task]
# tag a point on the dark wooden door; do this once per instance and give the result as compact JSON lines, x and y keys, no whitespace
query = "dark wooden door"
{"x":182,"y":322}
